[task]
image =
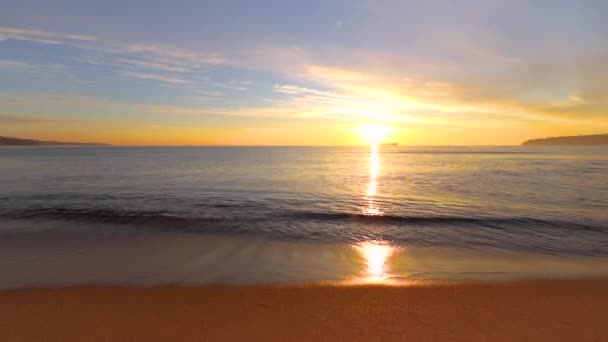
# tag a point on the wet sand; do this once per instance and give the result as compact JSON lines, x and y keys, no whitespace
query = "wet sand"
{"x":551,"y":310}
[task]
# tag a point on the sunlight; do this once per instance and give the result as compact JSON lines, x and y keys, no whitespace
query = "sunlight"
{"x":371,"y":209}
{"x":374,"y":162}
{"x":374,"y":133}
{"x":375,"y":255}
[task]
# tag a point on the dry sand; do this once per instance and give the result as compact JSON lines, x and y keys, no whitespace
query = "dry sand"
{"x":568,"y":310}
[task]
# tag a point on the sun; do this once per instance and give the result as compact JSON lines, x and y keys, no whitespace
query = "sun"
{"x":374,"y":133}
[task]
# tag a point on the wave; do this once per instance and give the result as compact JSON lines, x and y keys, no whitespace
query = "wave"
{"x":489,"y":222}
{"x":167,"y":219}
{"x":526,"y":234}
{"x":113,"y":216}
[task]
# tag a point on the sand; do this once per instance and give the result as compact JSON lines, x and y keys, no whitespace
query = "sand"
{"x":551,"y":310}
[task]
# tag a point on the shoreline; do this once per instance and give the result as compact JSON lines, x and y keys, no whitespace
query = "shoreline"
{"x":71,"y":258}
{"x":571,"y":309}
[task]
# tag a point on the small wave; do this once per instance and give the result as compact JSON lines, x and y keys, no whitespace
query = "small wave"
{"x":167,"y":219}
{"x":113,"y":216}
{"x":479,"y":233}
{"x":445,"y":220}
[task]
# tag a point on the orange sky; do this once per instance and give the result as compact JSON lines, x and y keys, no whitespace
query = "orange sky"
{"x":436,"y":73}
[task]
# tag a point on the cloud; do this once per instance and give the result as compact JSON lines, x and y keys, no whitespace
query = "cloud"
{"x":296,"y":90}
{"x":175,"y":53}
{"x":40,"y":36}
{"x":524,"y":91}
{"x":92,"y":43}
{"x":234,"y":85}
{"x":355,"y":95}
{"x":344,"y":103}
{"x":9,"y":64}
{"x":153,"y":65}
{"x":157,"y":77}
{"x":261,"y":112}
{"x":32,"y":68}
{"x":135,"y":60}
{"x":209,"y":93}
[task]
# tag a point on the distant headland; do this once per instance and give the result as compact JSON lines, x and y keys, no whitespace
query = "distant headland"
{"x":7,"y":141}
{"x":580,"y":140}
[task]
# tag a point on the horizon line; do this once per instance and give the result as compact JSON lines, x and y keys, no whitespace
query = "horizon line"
{"x":187,"y":145}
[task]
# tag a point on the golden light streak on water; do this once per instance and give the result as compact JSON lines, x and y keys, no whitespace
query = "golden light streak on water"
{"x":375,"y":256}
{"x":372,"y":186}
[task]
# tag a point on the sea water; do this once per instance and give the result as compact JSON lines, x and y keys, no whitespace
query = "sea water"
{"x":243,"y":215}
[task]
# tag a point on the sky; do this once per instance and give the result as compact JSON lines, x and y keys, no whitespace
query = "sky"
{"x":310,"y":72}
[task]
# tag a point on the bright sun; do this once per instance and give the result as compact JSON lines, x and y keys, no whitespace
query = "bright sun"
{"x":374,"y":133}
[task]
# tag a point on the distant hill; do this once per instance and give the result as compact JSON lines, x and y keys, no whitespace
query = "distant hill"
{"x":580,"y":140}
{"x":6,"y":141}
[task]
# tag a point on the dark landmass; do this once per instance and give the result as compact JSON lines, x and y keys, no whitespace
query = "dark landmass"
{"x":390,"y":144}
{"x":6,"y":141}
{"x":580,"y":140}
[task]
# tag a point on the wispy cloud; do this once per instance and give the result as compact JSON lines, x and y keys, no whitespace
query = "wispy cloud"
{"x":9,"y":64}
{"x":153,"y":65}
{"x":209,"y":93}
{"x":356,"y":95}
{"x":156,"y":77}
{"x":132,"y":59}
{"x":234,"y":85}
{"x":260,"y":112}
{"x":175,"y":53}
{"x":296,"y":90}
{"x":385,"y":95}
{"x":41,"y":36}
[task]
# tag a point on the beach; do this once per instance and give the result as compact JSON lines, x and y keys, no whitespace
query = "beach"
{"x":303,"y":171}
{"x":539,"y":310}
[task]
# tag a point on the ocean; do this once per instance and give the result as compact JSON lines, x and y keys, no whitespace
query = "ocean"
{"x":249,"y":215}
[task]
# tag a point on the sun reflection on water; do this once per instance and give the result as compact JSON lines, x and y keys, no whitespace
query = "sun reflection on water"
{"x":375,"y":256}
{"x":374,"y":165}
{"x":371,"y":208}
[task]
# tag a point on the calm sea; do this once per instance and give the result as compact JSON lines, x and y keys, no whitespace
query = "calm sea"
{"x":195,"y":215}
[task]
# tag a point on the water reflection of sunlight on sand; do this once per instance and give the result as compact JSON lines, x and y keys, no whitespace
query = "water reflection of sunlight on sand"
{"x":374,"y":171}
{"x":375,"y":256}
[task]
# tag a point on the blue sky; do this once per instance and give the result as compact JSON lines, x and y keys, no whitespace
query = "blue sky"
{"x":302,"y":72}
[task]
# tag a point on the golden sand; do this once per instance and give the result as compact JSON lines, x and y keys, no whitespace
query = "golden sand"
{"x":552,"y":310}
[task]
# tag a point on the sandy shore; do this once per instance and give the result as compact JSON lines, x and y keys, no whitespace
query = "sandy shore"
{"x":570,"y":310}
